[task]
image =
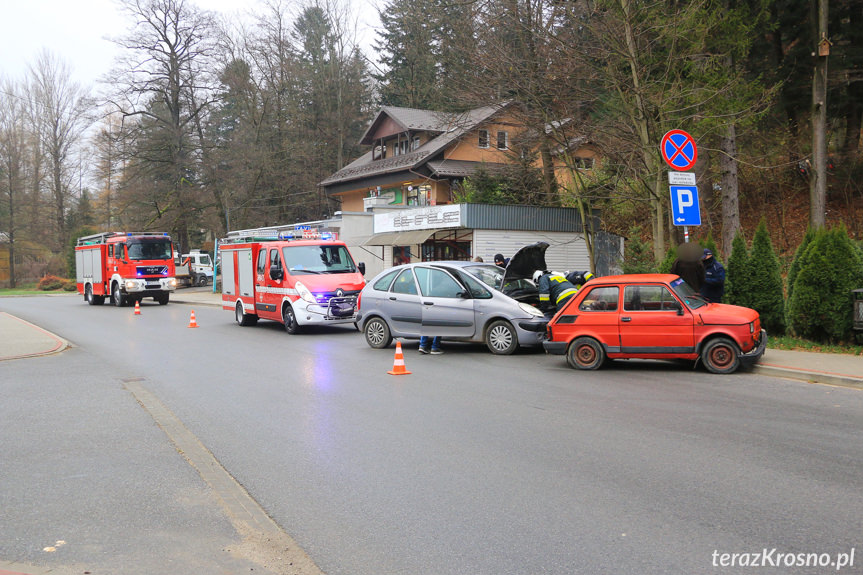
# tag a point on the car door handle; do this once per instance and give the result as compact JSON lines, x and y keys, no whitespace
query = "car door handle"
{"x":626,"y":319}
{"x":428,"y":303}
{"x":393,"y":298}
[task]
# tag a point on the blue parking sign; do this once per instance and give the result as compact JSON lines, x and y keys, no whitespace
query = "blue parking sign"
{"x":685,"y":210}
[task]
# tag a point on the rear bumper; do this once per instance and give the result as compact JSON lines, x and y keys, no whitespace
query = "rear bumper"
{"x":751,"y":358}
{"x":555,"y":347}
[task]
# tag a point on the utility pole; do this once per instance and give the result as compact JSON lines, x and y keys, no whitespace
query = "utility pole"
{"x":818,"y":183}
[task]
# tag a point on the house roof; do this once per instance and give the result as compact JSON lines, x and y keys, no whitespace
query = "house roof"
{"x":461,"y":168}
{"x":448,"y":127}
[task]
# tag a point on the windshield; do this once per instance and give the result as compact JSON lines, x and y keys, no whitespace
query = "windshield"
{"x":685,"y":292}
{"x":490,"y":275}
{"x":326,"y":259}
{"x":149,"y":249}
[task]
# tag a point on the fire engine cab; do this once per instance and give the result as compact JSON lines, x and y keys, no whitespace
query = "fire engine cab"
{"x":295,"y":277}
{"x":126,"y":267}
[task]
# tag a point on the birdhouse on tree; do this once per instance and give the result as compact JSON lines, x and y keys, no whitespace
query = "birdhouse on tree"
{"x":824,"y":47}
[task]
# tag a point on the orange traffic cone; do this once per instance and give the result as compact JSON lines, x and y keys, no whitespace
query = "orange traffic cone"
{"x":192,"y":322}
{"x":399,"y":363}
{"x":137,"y":307}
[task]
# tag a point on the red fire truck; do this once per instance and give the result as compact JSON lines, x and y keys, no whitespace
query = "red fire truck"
{"x":296,"y":277}
{"x":126,"y":267}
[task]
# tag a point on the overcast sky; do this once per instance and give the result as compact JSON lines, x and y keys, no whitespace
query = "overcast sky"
{"x":77,"y":31}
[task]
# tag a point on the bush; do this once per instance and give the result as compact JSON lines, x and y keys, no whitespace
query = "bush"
{"x":737,"y":274}
{"x":820,"y":307}
{"x":766,"y":295}
{"x":50,"y":283}
{"x":638,"y":258}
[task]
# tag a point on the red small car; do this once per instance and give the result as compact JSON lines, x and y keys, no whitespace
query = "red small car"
{"x":653,"y":316}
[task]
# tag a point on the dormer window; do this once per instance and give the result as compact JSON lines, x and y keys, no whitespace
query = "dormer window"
{"x":379,"y":152}
{"x":415,"y":143}
{"x":483,"y":139}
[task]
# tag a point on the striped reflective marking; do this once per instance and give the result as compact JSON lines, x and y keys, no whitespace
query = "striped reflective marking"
{"x":276,"y":290}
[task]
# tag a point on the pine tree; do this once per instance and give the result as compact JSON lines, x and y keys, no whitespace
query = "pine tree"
{"x":737,"y":276}
{"x":639,"y":255}
{"x":830,"y":267}
{"x":765,"y":284}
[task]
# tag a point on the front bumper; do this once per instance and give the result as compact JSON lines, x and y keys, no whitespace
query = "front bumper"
{"x":149,"y":285}
{"x":751,"y":358}
{"x":337,"y":310}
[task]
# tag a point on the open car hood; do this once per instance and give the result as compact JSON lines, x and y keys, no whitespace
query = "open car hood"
{"x":526,"y":261}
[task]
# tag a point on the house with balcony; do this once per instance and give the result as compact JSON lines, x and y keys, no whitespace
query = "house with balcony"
{"x":396,"y":202}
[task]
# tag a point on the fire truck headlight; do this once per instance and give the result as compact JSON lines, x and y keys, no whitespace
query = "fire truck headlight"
{"x":131,"y":284}
{"x":172,"y":282}
{"x":304,"y":293}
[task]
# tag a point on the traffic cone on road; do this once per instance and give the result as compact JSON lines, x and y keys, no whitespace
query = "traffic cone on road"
{"x":399,"y":363}
{"x":137,"y":307}
{"x":192,"y":322}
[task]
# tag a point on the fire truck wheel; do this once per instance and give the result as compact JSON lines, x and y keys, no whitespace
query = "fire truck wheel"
{"x":242,"y":317}
{"x":163,"y":298}
{"x":290,"y":319}
{"x":93,"y":299}
{"x":117,"y":296}
{"x":377,"y":333}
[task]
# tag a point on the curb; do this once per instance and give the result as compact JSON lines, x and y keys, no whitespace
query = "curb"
{"x":59,"y":344}
{"x":810,"y":376}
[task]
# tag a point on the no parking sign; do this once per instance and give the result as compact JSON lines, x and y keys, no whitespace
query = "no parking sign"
{"x":678,"y":150}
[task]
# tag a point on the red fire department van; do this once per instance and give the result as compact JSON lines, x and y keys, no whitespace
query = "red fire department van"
{"x":126,"y":267}
{"x":296,"y":277}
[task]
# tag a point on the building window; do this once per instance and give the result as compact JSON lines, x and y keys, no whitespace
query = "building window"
{"x":502,"y":140}
{"x":419,"y":195}
{"x":379,"y":152}
{"x":582,"y":163}
{"x":415,"y":143}
{"x":483,"y":138}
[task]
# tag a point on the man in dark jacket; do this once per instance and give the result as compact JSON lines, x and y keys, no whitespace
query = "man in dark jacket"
{"x":714,"y":278}
{"x":692,"y":272}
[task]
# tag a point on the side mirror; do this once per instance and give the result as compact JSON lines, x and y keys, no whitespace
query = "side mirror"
{"x":362,"y":267}
{"x":679,"y":309}
{"x":276,"y":273}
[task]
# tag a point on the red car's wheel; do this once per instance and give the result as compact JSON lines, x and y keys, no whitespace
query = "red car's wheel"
{"x":585,"y":353}
{"x":720,"y":355}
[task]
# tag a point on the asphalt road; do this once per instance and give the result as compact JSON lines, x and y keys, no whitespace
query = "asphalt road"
{"x":473,"y":464}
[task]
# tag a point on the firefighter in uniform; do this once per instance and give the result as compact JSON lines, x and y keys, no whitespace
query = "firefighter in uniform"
{"x":578,"y":278}
{"x":554,"y":289}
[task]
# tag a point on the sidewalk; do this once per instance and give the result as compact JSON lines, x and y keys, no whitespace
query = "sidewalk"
{"x":21,"y":339}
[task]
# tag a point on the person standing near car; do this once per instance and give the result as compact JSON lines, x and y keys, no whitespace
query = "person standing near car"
{"x":554,"y":289}
{"x":499,"y":260}
{"x":425,"y":340}
{"x":714,"y":278}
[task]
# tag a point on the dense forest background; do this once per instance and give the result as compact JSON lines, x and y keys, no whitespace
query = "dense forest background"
{"x":204,"y":125}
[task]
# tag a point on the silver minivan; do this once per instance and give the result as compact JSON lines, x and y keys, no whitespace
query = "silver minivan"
{"x":459,"y":301}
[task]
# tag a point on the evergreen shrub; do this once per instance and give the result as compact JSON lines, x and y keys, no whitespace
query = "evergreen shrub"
{"x":820,"y":307}
{"x":764,"y":286}
{"x":737,"y":274}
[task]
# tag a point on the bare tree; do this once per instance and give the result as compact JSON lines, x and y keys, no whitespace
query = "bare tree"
{"x":13,"y":156}
{"x":164,"y":81}
{"x":61,"y":106}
